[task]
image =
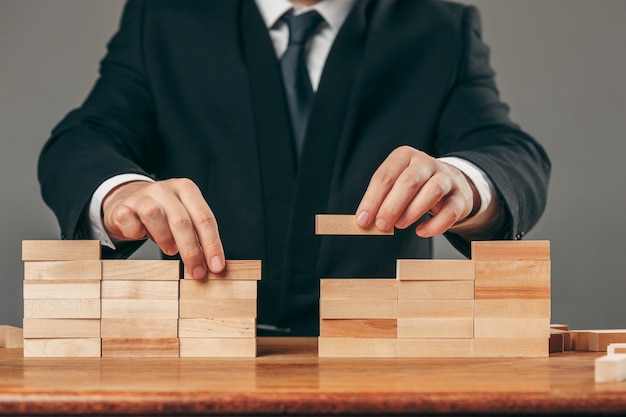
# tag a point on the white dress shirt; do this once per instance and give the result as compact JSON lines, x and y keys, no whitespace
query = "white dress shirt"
{"x":334,"y":13}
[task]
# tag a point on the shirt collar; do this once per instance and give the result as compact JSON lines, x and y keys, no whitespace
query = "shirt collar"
{"x":334,"y":12}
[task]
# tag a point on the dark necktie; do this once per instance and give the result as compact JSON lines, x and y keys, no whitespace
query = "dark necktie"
{"x":295,"y":74}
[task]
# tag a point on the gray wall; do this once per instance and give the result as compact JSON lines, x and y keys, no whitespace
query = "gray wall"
{"x":561,"y":66}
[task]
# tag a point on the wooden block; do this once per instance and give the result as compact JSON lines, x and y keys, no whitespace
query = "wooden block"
{"x":582,"y":339}
{"x":217,"y":328}
{"x":62,"y":348}
{"x":236,"y":270}
{"x":616,"y":349}
{"x":557,"y":341}
{"x":512,"y":280}
{"x":511,"y":348}
{"x":217,"y":347}
{"x":511,"y":250}
{"x":61,"y":290}
{"x":434,"y":270}
{"x":340,"y":347}
{"x":61,"y":328}
{"x":610,"y":368}
{"x":560,"y":327}
{"x":338,"y":308}
{"x":135,"y":309}
{"x":344,"y":224}
{"x":60,"y":250}
{"x":62,"y":309}
{"x":214,"y":288}
{"x":512,"y":328}
{"x":512,"y":309}
{"x":600,"y":339}
{"x":63,"y":271}
{"x":436,"y":309}
{"x":435,"y":348}
{"x":218,"y":308}
{"x":139,"y":328}
{"x":140,"y":290}
{"x":138,"y":270}
{"x":11,"y":337}
{"x":359,"y":328}
{"x":140,"y":348}
{"x":436,"y":290}
{"x":436,"y":328}
{"x":351,"y":288}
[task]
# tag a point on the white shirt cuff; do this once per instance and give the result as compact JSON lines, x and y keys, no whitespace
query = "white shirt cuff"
{"x":96,"y":226}
{"x":483,"y":184}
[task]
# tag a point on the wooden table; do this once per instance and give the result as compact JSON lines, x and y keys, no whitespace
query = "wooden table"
{"x":288,"y":378}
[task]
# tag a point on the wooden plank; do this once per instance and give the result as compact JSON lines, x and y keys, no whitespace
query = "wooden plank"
{"x":217,"y":347}
{"x":512,"y":328}
{"x":61,"y":328}
{"x":559,"y":326}
{"x":344,"y":224}
{"x":338,"y":308}
{"x":140,"y":348}
{"x":140,"y":270}
{"x":512,"y":280}
{"x":62,"y":348}
{"x":435,"y":348}
{"x":61,"y":290}
{"x":511,"y":250}
{"x":140,"y":290}
{"x":218,"y":308}
{"x":60,"y":250}
{"x":610,"y":368}
{"x":359,"y":328}
{"x":512,"y":308}
{"x":63,"y":270}
{"x":213,"y":288}
{"x":217,"y":328}
{"x":157,"y":309}
{"x":352,"y":288}
{"x":245,"y":270}
{"x":139,"y":328}
{"x":511,"y":348}
{"x":436,"y":290}
{"x":600,"y":339}
{"x":434,"y":270}
{"x":340,"y":347}
{"x":62,"y":309}
{"x":11,"y":337}
{"x":436,"y":328}
{"x":436,"y":309}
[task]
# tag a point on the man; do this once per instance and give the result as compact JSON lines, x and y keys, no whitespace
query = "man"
{"x":192,"y":124}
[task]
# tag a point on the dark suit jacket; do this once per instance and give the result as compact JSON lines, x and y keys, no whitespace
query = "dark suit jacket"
{"x":193,"y":89}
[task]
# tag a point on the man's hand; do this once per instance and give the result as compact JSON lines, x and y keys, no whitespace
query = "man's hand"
{"x":409,"y":184}
{"x":174,"y":214}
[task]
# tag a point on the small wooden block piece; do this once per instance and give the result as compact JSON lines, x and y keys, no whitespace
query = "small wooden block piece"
{"x":506,"y":280}
{"x":359,"y":328}
{"x":436,"y":328}
{"x":512,"y":329}
{"x":600,"y":339}
{"x":435,"y":348}
{"x":140,"y":290}
{"x":140,"y":270}
{"x":62,"y":309}
{"x":61,"y":290}
{"x":512,"y":309}
{"x":214,"y":288}
{"x":217,"y":328}
{"x":339,"y":347}
{"x":436,"y":290}
{"x":61,"y":328}
{"x":511,"y":250}
{"x":62,"y":348}
{"x":146,"y":309}
{"x":511,"y":348}
{"x":218,"y":308}
{"x":346,"y":288}
{"x":344,"y":224}
{"x":434,"y":270}
{"x":236,"y":270}
{"x":366,"y":308}
{"x":139,"y":328}
{"x":217,"y":347}
{"x":140,"y":348}
{"x":557,"y":341}
{"x":610,"y":368}
{"x":63,"y":271}
{"x":60,"y":250}
{"x":11,"y":337}
{"x":436,"y":309}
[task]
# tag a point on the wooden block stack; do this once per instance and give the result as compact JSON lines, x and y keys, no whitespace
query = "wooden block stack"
{"x":358,"y":317}
{"x":435,"y":308}
{"x":512,"y":298}
{"x":140,"y":308}
{"x":218,"y":314}
{"x":61,"y":298}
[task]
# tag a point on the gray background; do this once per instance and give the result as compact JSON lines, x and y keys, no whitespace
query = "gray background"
{"x":561,"y":66}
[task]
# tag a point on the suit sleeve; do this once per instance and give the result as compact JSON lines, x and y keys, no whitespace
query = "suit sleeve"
{"x":113,"y":132}
{"x":475,"y":125}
